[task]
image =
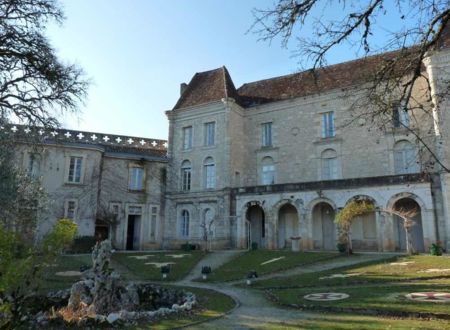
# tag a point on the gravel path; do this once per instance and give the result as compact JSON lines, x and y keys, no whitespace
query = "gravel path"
{"x":253,"y":310}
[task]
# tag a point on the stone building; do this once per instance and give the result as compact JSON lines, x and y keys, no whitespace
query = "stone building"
{"x":260,"y":164}
{"x":111,"y":185}
{"x":277,"y":158}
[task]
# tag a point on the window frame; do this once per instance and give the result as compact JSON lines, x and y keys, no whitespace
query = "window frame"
{"x":209,"y":134}
{"x":408,"y":156}
{"x":400,"y":117}
{"x":67,"y":203}
{"x":68,"y":179}
{"x":187,"y":138}
{"x":209,"y":168}
{"x":328,"y":125}
{"x":184,"y":223}
{"x":186,"y":175}
{"x":267,"y":134}
{"x":133,"y":183}
{"x":329,"y":166}
{"x":32,"y":170}
{"x":268,"y":171}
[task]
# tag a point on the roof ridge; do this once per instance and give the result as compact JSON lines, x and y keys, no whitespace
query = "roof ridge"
{"x":224,"y":81}
{"x":311,"y":70}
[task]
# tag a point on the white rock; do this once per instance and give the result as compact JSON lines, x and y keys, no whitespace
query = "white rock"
{"x":113,"y":317}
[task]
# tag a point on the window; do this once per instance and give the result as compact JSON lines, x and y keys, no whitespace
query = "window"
{"x":136,"y":178}
{"x":187,"y":138}
{"x":210,"y":129}
{"x":70,"y":209}
{"x":405,"y":158}
{"x":184,"y":225}
{"x":210,"y":173}
{"x":329,"y":164}
{"x":186,"y":170}
{"x":75,"y":167}
{"x":153,"y":219}
{"x":268,"y":171}
{"x":328,"y":124}
{"x":266,"y":135}
{"x":400,"y":117}
{"x":34,"y":165}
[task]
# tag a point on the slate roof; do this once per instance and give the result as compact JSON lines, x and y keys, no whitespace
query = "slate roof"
{"x":214,"y":85}
{"x":206,"y":87}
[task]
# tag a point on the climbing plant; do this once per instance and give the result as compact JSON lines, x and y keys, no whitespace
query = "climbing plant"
{"x":347,"y":215}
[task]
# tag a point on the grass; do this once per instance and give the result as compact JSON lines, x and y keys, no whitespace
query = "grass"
{"x":136,"y":269}
{"x":64,"y":263}
{"x":368,"y":272}
{"x":358,"y":322}
{"x":238,"y":267}
{"x":211,"y":304}
{"x":387,"y":298}
{"x":377,"y":286}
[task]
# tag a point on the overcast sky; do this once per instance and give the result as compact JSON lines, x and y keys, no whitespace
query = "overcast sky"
{"x":137,"y":52}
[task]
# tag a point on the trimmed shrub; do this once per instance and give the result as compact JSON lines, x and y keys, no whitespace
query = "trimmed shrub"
{"x":82,"y":244}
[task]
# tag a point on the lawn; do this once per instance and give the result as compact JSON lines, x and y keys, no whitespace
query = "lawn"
{"x":386,"y":298}
{"x":264,"y":262}
{"x":146,"y":266}
{"x":393,"y":269}
{"x":373,"y":287}
{"x":357,"y":322}
{"x":64,"y":263}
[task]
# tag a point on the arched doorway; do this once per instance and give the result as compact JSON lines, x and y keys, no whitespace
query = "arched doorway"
{"x":408,"y":205}
{"x":364,"y":232}
{"x":287,"y":225}
{"x":256,"y":226}
{"x":324,"y":229}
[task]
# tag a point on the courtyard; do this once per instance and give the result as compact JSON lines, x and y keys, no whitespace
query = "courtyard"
{"x":306,"y":290}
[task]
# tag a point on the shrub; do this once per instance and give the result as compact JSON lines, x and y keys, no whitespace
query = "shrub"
{"x":82,"y":244}
{"x":165,"y":269}
{"x":254,"y":246}
{"x":342,"y":247}
{"x":206,"y":270}
{"x":188,"y":247}
{"x":436,"y":249}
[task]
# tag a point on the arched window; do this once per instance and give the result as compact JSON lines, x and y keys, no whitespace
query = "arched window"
{"x":184,"y":224}
{"x":267,"y":171}
{"x":186,"y":170}
{"x":405,"y":158}
{"x":329,"y":164}
{"x":209,"y":173}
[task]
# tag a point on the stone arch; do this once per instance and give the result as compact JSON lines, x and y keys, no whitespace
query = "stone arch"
{"x":316,"y":201}
{"x":287,"y":223}
{"x":396,"y":197}
{"x":323,"y":228}
{"x":254,"y":223}
{"x":407,"y":201}
{"x":365,"y":229}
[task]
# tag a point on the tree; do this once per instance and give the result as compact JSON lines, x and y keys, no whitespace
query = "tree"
{"x":346,"y":216}
{"x":34,"y":84}
{"x":394,"y":76}
{"x":21,"y":267}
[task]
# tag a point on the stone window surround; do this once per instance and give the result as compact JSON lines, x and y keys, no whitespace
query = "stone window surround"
{"x":67,"y":168}
{"x":132,"y":166}
{"x":75,"y":208}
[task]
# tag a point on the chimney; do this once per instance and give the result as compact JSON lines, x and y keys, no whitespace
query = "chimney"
{"x":183,"y":87}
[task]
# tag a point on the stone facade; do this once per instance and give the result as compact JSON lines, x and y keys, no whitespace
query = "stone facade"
{"x":282,"y":172}
{"x":112,"y":186}
{"x":262,"y":164}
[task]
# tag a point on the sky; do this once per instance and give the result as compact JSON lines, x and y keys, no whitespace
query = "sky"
{"x":137,"y":52}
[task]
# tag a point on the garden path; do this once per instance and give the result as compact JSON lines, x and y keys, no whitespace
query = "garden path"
{"x":253,"y":310}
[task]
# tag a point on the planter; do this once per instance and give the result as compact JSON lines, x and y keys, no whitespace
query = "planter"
{"x":295,"y":243}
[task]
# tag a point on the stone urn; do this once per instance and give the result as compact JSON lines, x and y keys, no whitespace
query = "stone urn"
{"x":295,"y":243}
